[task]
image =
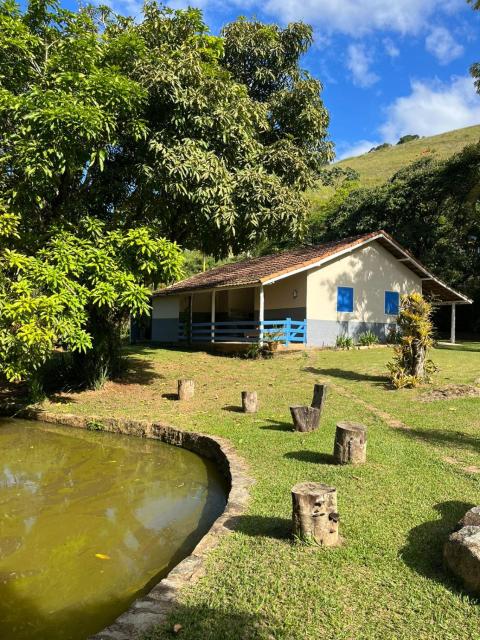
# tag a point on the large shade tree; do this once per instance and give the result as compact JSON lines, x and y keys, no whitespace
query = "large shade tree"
{"x":128,"y":127}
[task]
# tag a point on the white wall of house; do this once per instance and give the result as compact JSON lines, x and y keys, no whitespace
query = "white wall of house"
{"x":370,"y":271}
{"x":286,"y":298}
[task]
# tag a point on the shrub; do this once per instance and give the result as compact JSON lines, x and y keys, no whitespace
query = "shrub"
{"x":344,"y":342}
{"x":94,"y":425}
{"x":408,"y":138}
{"x":410,"y":366}
{"x":367,"y":338}
{"x":394,"y":336}
{"x":256,"y":351}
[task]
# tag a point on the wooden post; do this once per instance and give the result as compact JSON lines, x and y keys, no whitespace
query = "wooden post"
{"x":305,"y":418}
{"x":319,"y":396}
{"x":190,"y":319}
{"x":314,"y":513}
{"x":186,"y":389}
{"x":453,"y":325}
{"x":288,"y":331}
{"x":261,"y":314}
{"x":212,"y":317}
{"x":249,"y":401}
{"x":350,"y":443}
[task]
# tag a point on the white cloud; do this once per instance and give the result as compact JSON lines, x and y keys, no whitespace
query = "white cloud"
{"x":442,"y":45}
{"x":356,"y":149}
{"x":358,"y":62}
{"x":356,"y":17}
{"x":432,"y":108}
{"x":391,"y":48}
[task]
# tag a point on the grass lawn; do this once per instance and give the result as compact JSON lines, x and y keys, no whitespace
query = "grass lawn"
{"x":387,"y":580}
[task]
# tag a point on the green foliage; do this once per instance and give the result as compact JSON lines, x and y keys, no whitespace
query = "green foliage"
{"x":95,"y":425}
{"x":78,"y":281}
{"x":120,"y":138}
{"x":393,"y":335}
{"x":380,"y":147}
{"x":409,"y":366}
{"x":344,"y":343}
{"x":377,"y":168}
{"x":367,"y":339}
{"x":432,"y":208}
{"x":256,"y":351}
{"x":408,"y":138}
{"x":323,"y":208}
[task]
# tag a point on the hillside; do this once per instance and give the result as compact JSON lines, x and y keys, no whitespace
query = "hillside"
{"x":376,"y":167}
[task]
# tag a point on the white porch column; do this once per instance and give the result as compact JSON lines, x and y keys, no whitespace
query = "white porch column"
{"x":453,"y":323}
{"x":261,"y":314}
{"x":212,"y":317}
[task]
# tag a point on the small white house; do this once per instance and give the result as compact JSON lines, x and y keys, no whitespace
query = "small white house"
{"x":308,"y":296}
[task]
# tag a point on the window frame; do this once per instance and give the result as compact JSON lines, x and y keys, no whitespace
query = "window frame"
{"x":352,"y":298}
{"x":387,"y":310}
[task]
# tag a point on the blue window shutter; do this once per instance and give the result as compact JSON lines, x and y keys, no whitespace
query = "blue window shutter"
{"x":345,"y":299}
{"x":392,"y":303}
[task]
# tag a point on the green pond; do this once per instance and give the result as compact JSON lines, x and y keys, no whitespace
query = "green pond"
{"x":89,"y":521}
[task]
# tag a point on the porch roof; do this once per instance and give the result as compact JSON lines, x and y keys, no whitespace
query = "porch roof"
{"x":268,"y":269}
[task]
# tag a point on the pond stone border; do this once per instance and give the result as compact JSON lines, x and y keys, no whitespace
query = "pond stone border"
{"x":153,"y":608}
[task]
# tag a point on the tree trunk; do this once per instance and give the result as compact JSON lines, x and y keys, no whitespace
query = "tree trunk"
{"x":314,"y":513}
{"x":319,"y":396}
{"x":419,"y":355}
{"x":186,"y":389}
{"x":305,"y":418}
{"x":350,"y":443}
{"x":249,"y":401}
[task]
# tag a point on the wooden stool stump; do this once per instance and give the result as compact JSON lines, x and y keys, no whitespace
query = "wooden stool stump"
{"x":319,"y":396}
{"x":249,"y":401}
{"x":314,"y":513}
{"x":186,"y":389}
{"x":305,"y":418}
{"x":350,"y":443}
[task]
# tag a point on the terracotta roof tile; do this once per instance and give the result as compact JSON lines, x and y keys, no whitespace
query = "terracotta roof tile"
{"x":254,"y":271}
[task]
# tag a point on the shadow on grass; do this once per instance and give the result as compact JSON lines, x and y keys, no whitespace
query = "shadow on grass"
{"x":206,"y":347}
{"x":277,"y":425}
{"x":266,"y":526}
{"x":423,"y":551}
{"x":342,"y":374}
{"x":56,"y":398}
{"x":233,"y":408}
{"x":170,"y":396}
{"x":444,"y":437}
{"x":315,"y":457}
{"x":215,"y":623}
{"x":137,"y":371}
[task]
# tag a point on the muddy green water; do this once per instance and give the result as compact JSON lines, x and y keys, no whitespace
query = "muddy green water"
{"x":89,"y":521}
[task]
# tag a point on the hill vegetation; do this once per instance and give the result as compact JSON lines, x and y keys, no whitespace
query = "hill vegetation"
{"x":378,"y":166}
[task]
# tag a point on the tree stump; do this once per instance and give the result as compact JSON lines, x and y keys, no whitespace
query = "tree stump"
{"x":350,"y":443}
{"x":249,"y":401}
{"x":305,"y":418}
{"x":314,"y":513}
{"x":186,"y":389}
{"x":319,"y":396}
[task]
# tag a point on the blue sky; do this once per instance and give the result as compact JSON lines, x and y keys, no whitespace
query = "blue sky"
{"x":389,"y":67}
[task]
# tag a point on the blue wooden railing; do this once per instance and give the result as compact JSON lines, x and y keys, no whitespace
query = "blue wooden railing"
{"x":285,"y":331}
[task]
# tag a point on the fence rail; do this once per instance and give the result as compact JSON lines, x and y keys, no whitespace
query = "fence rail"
{"x":285,"y":331}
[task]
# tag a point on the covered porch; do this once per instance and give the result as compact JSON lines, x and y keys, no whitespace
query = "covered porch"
{"x":248,"y":315}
